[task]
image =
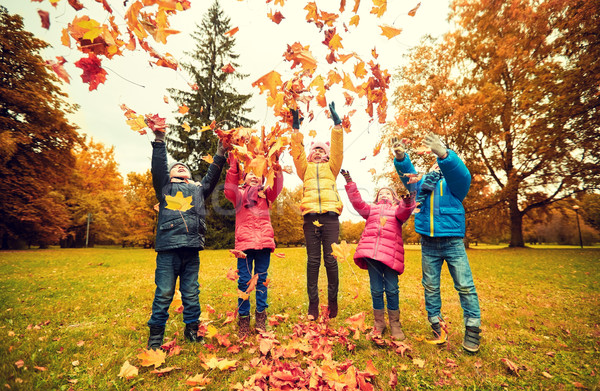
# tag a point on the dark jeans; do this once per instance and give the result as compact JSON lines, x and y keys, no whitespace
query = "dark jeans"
{"x":260,"y":259}
{"x":383,"y":279}
{"x":317,"y":236}
{"x":183,"y":263}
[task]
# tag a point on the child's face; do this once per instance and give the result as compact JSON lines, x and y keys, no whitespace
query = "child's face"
{"x":318,"y":154}
{"x":386,"y":195}
{"x":180,"y":171}
{"x":251,"y":179}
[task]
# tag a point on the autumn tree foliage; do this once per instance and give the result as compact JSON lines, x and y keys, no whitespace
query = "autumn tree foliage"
{"x":286,"y":218}
{"x":351,"y":231}
{"x":96,"y":187}
{"x":213,"y":98}
{"x":514,"y":89}
{"x":141,"y":216}
{"x":36,"y":140}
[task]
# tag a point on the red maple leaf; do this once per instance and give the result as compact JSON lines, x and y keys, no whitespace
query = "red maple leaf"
{"x":57,"y":67}
{"x":45,"y":16}
{"x":155,"y":122}
{"x":93,"y":74}
{"x":228,"y":69}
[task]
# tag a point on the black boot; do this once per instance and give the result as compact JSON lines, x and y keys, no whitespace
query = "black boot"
{"x":333,"y":308}
{"x":313,"y":310}
{"x":191,"y":333}
{"x":157,"y":334}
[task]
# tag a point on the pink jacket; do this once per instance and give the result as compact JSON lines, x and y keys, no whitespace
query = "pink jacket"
{"x":253,"y":229}
{"x":382,"y":238}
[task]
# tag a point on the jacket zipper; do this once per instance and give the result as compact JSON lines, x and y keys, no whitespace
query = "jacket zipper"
{"x":319,"y":189}
{"x":431,"y":205}
{"x":378,"y":232}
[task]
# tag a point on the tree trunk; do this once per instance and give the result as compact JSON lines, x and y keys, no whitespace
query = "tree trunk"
{"x":516,"y":223}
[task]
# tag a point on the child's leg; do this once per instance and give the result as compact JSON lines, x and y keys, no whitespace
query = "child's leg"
{"x":261,"y":266}
{"x":376,"y":283}
{"x":164,"y":277}
{"x":331,"y":233}
{"x":431,"y":265}
{"x":189,"y":286}
{"x":244,"y":266}
{"x":390,"y":286}
{"x":312,"y":236}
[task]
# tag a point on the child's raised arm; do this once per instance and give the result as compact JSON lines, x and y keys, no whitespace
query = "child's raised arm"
{"x":232,"y":180}
{"x":363,"y":208}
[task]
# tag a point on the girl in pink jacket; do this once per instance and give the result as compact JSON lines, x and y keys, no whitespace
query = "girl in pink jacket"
{"x":381,"y":250}
{"x":253,"y":235}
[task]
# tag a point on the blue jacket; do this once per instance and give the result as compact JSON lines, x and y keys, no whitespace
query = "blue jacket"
{"x":172,"y":231}
{"x":442,"y":214}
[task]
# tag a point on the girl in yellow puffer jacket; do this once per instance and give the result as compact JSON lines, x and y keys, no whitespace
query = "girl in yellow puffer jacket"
{"x":321,"y":206}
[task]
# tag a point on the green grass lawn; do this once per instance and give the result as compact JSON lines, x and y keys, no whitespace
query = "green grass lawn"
{"x":69,"y":319}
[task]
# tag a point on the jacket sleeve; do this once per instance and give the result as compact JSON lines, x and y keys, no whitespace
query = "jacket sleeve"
{"x":272,"y":193}
{"x":336,"y":151}
{"x":210,"y":180}
{"x":160,"y":169}
{"x":405,"y":209}
{"x":405,"y":166}
{"x":456,"y":173}
{"x":298,"y":154}
{"x":232,"y":180}
{"x":362,"y":207}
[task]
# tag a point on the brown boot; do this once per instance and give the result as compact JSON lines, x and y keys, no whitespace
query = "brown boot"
{"x":313,"y":310}
{"x":395,"y":325}
{"x":261,"y":321}
{"x":379,"y":322}
{"x":243,"y":326}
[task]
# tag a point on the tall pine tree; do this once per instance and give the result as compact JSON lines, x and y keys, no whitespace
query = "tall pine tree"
{"x":214,"y":100}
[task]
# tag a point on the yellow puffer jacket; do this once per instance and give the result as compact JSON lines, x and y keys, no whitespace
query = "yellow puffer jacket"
{"x":320,"y":192}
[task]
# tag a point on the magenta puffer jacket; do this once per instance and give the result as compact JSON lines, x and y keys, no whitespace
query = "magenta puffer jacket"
{"x":382,"y":238}
{"x":253,"y":229}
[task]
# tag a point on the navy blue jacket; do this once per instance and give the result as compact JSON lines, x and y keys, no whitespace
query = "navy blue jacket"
{"x":442,"y":214}
{"x":172,"y":231}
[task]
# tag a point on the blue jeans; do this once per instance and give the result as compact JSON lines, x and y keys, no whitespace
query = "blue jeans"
{"x":183,"y":263}
{"x":261,"y":260}
{"x":383,"y":279}
{"x":434,"y":251}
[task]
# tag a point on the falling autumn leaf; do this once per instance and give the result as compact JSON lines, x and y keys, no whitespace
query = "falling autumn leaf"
{"x":252,"y":283}
{"x":183,"y":109}
{"x":165,"y":99}
{"x":232,"y":31}
{"x":179,"y":202}
{"x":413,"y":11}
{"x":276,"y":17}
{"x":280,"y":255}
{"x":93,"y":74}
{"x":228,"y":69}
{"x":208,"y":158}
{"x":238,"y":253}
{"x":232,"y":274}
{"x":45,"y":17}
{"x":317,"y":224}
{"x":186,"y":127}
{"x":372,"y":171}
{"x":341,"y":251}
{"x":354,"y":20}
{"x":389,"y":32}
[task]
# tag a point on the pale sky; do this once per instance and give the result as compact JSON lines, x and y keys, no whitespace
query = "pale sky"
{"x":260,"y":44}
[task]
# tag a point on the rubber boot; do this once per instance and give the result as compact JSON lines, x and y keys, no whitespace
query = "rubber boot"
{"x":191,"y":332}
{"x":261,"y":320}
{"x":313,"y":310}
{"x":379,"y":322}
{"x":243,"y":326}
{"x":395,"y":325}
{"x":333,"y":309}
{"x":155,"y":340}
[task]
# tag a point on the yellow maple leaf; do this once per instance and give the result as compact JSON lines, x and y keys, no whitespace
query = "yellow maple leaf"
{"x":226,"y":364}
{"x":93,"y":29}
{"x":205,"y":128}
{"x":389,"y":32}
{"x":136,"y":122}
{"x":208,"y":158}
{"x":152,"y":357}
{"x":336,"y":42}
{"x":312,"y":133}
{"x":319,"y":84}
{"x":372,"y":171}
{"x":179,"y":202}
{"x":341,"y":251}
{"x":359,"y":70}
{"x":354,"y":20}
{"x":128,"y":371}
{"x":198,"y":380}
{"x":211,"y":331}
{"x":382,"y":221}
{"x":186,"y":127}
{"x":316,"y":223}
{"x":379,"y":7}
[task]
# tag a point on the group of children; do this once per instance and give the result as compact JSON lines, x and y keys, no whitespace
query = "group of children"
{"x":440,"y":221}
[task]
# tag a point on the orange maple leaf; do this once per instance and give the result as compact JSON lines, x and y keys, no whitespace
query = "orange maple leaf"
{"x":152,"y":357}
{"x":341,"y":251}
{"x":359,"y":70}
{"x":238,"y":253}
{"x":270,"y":82}
{"x":198,"y":380}
{"x":183,"y":109}
{"x":208,"y":158}
{"x":357,"y":321}
{"x":413,"y":11}
{"x":379,"y":7}
{"x":232,"y":274}
{"x":335,"y":42}
{"x":276,"y":17}
{"x":228,"y":69}
{"x":389,"y":32}
{"x":252,"y":283}
{"x":232,"y":31}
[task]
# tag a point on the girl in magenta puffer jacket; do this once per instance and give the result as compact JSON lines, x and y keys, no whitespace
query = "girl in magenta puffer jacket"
{"x":254,"y":237}
{"x":381,"y":250}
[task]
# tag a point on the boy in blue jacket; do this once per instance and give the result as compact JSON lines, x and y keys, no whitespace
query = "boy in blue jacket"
{"x":179,"y":237}
{"x":441,"y":223}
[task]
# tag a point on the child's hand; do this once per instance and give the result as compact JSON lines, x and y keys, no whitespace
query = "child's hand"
{"x":220,"y":149}
{"x":433,"y":142}
{"x":399,"y":148}
{"x":346,"y":175}
{"x":159,"y":135}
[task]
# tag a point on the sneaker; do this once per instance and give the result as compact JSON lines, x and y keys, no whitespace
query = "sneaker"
{"x":472,"y":339}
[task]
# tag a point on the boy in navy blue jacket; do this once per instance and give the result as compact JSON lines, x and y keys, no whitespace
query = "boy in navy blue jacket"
{"x":441,"y":223}
{"x":179,"y":237}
